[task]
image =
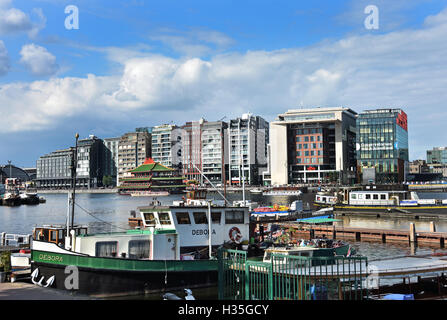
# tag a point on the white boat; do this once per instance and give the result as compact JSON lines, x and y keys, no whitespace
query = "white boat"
{"x":282,"y":193}
{"x":150,"y":194}
{"x":256,"y":191}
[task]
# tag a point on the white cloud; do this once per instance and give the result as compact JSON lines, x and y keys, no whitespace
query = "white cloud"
{"x":38,"y":60}
{"x":4,"y":59}
{"x":13,"y":20}
{"x":195,"y":42}
{"x":398,"y":69}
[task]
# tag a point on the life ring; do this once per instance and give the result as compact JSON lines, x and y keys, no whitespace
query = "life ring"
{"x":235,"y":234}
{"x":276,"y":207}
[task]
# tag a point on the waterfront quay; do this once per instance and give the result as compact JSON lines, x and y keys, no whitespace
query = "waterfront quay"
{"x":410,"y":236}
{"x":29,"y":291}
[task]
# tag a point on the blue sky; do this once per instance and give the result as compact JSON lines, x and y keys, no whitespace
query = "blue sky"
{"x":143,"y":63}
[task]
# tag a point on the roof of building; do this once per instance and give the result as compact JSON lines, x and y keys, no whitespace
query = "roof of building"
{"x":150,"y":165}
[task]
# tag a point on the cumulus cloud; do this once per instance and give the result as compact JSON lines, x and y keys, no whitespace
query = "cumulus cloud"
{"x":38,"y":60}
{"x":403,"y":69}
{"x":4,"y":59}
{"x":13,"y":20}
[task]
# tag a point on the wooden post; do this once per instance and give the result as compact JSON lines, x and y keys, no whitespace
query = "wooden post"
{"x":432,"y":226}
{"x":3,"y":237}
{"x":413,"y":237}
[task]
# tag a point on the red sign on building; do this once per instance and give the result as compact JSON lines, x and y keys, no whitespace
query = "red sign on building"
{"x":401,"y":120}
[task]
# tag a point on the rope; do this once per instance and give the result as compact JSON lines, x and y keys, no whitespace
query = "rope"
{"x":90,"y":214}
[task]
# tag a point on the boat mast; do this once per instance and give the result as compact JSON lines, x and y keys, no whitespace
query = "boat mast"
{"x":209,"y":230}
{"x":204,"y":176}
{"x":73,"y":192}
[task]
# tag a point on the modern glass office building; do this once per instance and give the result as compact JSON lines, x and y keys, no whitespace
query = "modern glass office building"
{"x":382,"y":143}
{"x":437,"y":155}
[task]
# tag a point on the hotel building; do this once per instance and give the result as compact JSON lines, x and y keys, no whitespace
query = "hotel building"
{"x":167,"y":145}
{"x":248,"y":137}
{"x":133,"y":149}
{"x":313,"y":145}
{"x":203,"y":147}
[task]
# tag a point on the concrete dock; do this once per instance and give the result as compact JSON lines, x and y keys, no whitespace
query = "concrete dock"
{"x":29,"y":291}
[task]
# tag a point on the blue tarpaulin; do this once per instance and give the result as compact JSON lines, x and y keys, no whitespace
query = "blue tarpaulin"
{"x":395,"y":296}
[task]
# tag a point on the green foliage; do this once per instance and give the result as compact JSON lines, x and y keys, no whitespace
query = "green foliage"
{"x":107,"y":181}
{"x":5,"y":261}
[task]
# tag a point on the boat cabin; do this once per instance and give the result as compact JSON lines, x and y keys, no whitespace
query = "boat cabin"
{"x":287,"y":251}
{"x":377,"y":198}
{"x":325,"y":199}
{"x":56,"y":233}
{"x":191,"y":222}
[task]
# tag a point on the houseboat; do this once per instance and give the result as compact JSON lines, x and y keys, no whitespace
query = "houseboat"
{"x":169,"y":250}
{"x":380,"y":201}
{"x":278,"y":210}
{"x":311,"y":248}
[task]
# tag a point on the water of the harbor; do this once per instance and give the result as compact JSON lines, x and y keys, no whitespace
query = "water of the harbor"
{"x":110,"y":213}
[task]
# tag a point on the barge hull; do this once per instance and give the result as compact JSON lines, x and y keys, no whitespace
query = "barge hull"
{"x":102,"y":282}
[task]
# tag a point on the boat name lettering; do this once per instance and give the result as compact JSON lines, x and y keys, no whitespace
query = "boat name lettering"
{"x":201,"y":232}
{"x":50,"y":257}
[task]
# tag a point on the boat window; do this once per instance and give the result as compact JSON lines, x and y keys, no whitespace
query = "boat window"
{"x":375,"y":196}
{"x":383,"y":196}
{"x":367,"y":196}
{"x":53,"y":236}
{"x":106,"y":248}
{"x":360,"y":196}
{"x":164,"y":218}
{"x":149,"y":218}
{"x":215,"y":217}
{"x":353,"y":196}
{"x":139,"y":249}
{"x":183,"y":218}
{"x":200,"y":218}
{"x":235,"y":216}
{"x":267,"y":256}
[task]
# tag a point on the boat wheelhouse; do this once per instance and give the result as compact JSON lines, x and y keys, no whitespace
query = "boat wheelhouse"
{"x":152,"y":179}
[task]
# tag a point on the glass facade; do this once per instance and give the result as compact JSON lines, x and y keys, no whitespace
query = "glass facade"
{"x":437,"y":155}
{"x":382,"y":143}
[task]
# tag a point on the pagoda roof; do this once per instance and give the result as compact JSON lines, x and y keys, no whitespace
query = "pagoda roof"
{"x":150,"y":165}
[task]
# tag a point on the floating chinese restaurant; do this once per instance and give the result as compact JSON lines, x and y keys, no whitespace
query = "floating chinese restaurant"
{"x":152,"y":179}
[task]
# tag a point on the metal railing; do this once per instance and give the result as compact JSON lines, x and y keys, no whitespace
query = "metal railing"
{"x":287,"y":277}
{"x":15,"y":240}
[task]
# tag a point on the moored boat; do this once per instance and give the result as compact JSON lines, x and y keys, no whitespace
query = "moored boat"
{"x":173,"y":248}
{"x":380,"y":201}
